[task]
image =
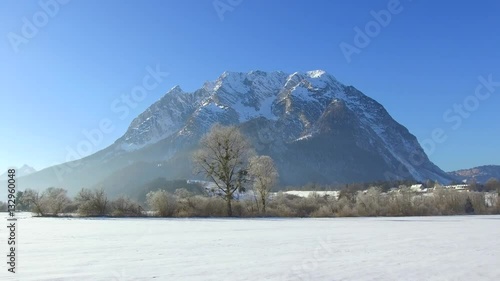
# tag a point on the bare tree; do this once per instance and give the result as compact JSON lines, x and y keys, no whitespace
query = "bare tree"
{"x":264,"y":176}
{"x":493,"y":185}
{"x":36,"y":201}
{"x":223,"y":157}
{"x":368,"y":203}
{"x":92,"y":202}
{"x":55,"y":200}
{"x":124,"y":206}
{"x":161,"y":202}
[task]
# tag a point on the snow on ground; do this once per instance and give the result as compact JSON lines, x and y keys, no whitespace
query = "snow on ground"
{"x":417,"y":248}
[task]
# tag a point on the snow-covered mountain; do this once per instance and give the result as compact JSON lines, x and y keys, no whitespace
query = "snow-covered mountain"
{"x":24,"y":170}
{"x":316,"y":129}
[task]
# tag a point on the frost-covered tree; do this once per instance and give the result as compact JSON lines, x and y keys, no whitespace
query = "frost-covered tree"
{"x":369,"y":203}
{"x":161,"y":202}
{"x":36,"y":201}
{"x":51,"y":201}
{"x":223,"y":156}
{"x":124,"y":206}
{"x":264,"y":176}
{"x":92,"y":202}
{"x":55,"y":200}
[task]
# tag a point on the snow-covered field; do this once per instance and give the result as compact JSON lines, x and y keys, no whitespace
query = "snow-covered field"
{"x":417,"y":248}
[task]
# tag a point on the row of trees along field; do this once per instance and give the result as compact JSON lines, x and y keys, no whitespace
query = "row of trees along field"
{"x":183,"y":203}
{"x":226,"y":158}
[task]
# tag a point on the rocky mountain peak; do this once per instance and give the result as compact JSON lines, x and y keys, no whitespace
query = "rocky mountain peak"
{"x":314,"y":127}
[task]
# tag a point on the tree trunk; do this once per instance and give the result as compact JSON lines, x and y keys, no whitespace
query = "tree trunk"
{"x":229,"y":208}
{"x":263,"y":205}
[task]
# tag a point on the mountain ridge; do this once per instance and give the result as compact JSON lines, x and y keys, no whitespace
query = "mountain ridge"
{"x":283,"y":115}
{"x":24,"y":170}
{"x":481,"y":174}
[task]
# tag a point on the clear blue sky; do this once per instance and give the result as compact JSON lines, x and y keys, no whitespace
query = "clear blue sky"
{"x":64,"y":79}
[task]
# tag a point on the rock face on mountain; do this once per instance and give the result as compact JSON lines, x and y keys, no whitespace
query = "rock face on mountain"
{"x":315,"y":128}
{"x":479,"y":174}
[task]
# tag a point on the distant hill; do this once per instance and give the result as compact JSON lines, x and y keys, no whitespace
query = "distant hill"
{"x":20,"y":172}
{"x":481,"y":174}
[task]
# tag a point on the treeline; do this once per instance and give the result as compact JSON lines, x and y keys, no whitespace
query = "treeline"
{"x":405,"y":202}
{"x":183,"y":203}
{"x":88,"y":202}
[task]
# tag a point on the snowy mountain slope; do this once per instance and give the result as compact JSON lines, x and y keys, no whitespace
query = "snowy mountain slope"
{"x":316,"y":128}
{"x":161,"y":119}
